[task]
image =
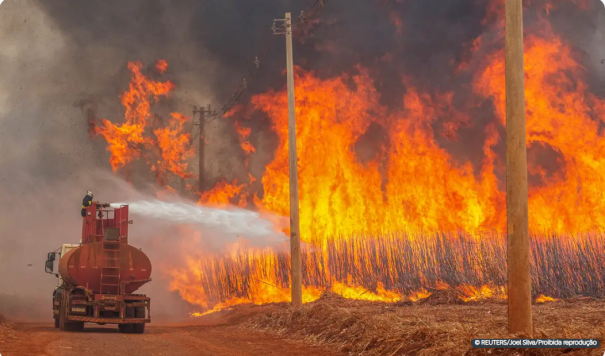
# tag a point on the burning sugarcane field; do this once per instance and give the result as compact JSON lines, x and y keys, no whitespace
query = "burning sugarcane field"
{"x":404,"y":177}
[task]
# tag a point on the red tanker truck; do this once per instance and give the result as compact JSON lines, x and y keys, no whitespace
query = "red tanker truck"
{"x":97,"y":278}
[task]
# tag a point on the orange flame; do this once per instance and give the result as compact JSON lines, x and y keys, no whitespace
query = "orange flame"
{"x":127,"y":140}
{"x":342,"y":196}
{"x":543,"y":299}
{"x":244,"y":133}
{"x":222,"y":194}
{"x":161,"y":66}
{"x":561,"y":116}
{"x":174,"y":146}
{"x":471,"y":293}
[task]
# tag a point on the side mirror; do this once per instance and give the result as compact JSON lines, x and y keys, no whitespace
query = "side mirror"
{"x":51,"y":256}
{"x":49,"y":266}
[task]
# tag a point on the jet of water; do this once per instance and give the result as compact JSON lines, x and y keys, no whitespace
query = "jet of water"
{"x":228,"y":223}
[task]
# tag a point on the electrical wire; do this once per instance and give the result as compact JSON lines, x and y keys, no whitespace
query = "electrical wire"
{"x":305,"y":17}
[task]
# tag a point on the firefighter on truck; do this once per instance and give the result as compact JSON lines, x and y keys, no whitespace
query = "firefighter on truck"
{"x":87,"y":201}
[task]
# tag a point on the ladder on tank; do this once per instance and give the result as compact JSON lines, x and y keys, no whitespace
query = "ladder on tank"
{"x":110,"y":270}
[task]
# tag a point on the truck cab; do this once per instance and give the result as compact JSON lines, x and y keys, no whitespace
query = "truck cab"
{"x":52,"y":257}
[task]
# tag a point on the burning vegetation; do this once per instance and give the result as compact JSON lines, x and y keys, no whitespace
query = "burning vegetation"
{"x":167,"y":149}
{"x":409,"y":218}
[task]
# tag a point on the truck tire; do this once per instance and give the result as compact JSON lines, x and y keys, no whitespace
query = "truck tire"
{"x":127,"y":328}
{"x":67,"y":325}
{"x":139,"y":328}
{"x":74,"y":326}
{"x":57,"y":298}
{"x":61,"y":314}
{"x":56,"y":316}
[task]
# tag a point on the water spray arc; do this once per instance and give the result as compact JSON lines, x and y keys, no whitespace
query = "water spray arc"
{"x":229,"y":223}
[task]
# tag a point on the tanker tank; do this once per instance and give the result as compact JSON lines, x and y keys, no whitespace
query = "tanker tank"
{"x":85,"y":266}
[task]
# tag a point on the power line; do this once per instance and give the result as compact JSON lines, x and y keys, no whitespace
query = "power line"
{"x":304,"y":17}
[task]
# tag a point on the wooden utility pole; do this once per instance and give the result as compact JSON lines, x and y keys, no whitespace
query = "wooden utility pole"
{"x":519,"y":274}
{"x":295,"y":267}
{"x":202,"y":142}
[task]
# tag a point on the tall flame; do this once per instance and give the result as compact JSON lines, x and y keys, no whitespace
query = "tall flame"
{"x":174,"y":146}
{"x":126,"y":141}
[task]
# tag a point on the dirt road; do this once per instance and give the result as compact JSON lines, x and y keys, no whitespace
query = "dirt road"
{"x":45,"y":340}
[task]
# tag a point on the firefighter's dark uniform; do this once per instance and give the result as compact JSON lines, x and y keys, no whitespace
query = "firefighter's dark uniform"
{"x":86,"y":203}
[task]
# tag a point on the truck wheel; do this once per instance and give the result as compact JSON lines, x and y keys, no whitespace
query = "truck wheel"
{"x":67,"y":325}
{"x":57,"y":325}
{"x":139,"y":328}
{"x":74,"y":326}
{"x":127,"y":328}
{"x":61,"y":315}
